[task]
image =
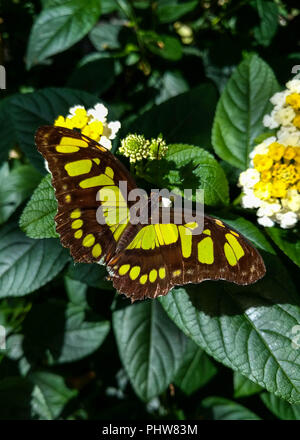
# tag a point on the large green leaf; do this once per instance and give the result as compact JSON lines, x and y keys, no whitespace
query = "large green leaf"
{"x":37,"y":219}
{"x":15,"y":186}
{"x":50,"y":395}
{"x":195,"y":370}
{"x":188,"y":166}
{"x":60,"y":26}
{"x":288,"y":241}
{"x":26,"y":264}
{"x":31,"y":110}
{"x":150,"y":347}
{"x":243,"y":103}
{"x":186,"y":118}
{"x":249,"y":329}
{"x":75,"y":332}
{"x":282,"y":409}
{"x":225,"y":409}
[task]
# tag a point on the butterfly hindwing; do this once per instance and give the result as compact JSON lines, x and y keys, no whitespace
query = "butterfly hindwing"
{"x":84,"y":175}
{"x":160,"y":257}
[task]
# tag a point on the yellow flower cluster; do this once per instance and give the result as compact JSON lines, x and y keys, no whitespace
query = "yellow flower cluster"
{"x":279,"y":171}
{"x":91,"y":122}
{"x":272,"y":184}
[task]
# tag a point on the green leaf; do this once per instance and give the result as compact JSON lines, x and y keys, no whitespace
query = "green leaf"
{"x":188,"y":166}
{"x":171,"y":83}
{"x":105,"y":36}
{"x":15,"y":397}
{"x":75,"y":333}
{"x":288,"y":241}
{"x":162,"y":45}
{"x":150,"y":347}
{"x":59,"y":27}
{"x":108,"y":6}
{"x":15,"y":186}
{"x":243,"y":103}
{"x":50,"y":395}
{"x":26,"y":264}
{"x":76,"y":291}
{"x":195,"y":370}
{"x":244,"y":387}
{"x":248,"y":329}
{"x":282,"y":409}
{"x":225,"y":409}
{"x":170,"y":10}
{"x":31,"y":110}
{"x":7,"y":133}
{"x":37,"y":219}
{"x":269,"y":17}
{"x":186,"y":118}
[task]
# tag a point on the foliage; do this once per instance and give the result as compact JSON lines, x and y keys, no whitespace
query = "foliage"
{"x":200,"y":73}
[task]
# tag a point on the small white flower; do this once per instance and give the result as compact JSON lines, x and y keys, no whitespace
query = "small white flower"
{"x":111,"y":129}
{"x":268,"y":209}
{"x":114,"y":127}
{"x":266,"y":221}
{"x":105,"y":142}
{"x":270,"y":140}
{"x":250,"y":201}
{"x":259,"y":149}
{"x":72,"y":110}
{"x":285,"y":116}
{"x":270,"y":122}
{"x":289,"y":136}
{"x":279,"y":98}
{"x":292,"y":201}
{"x":99,"y":112}
{"x":263,"y":147}
{"x":249,"y":178}
{"x":287,"y":220}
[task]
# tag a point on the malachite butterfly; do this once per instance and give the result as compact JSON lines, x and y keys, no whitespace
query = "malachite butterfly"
{"x":143,"y":261}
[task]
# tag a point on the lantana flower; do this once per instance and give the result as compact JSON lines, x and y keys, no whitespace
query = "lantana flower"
{"x":92,"y":122}
{"x":136,"y":147}
{"x":272,"y":184}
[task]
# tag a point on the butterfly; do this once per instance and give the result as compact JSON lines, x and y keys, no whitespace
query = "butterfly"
{"x":143,"y":261}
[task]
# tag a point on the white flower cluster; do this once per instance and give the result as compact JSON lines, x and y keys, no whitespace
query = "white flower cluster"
{"x":272,"y":183}
{"x":284,"y":115}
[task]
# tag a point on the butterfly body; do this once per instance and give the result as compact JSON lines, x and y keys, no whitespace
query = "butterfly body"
{"x":143,"y":260}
